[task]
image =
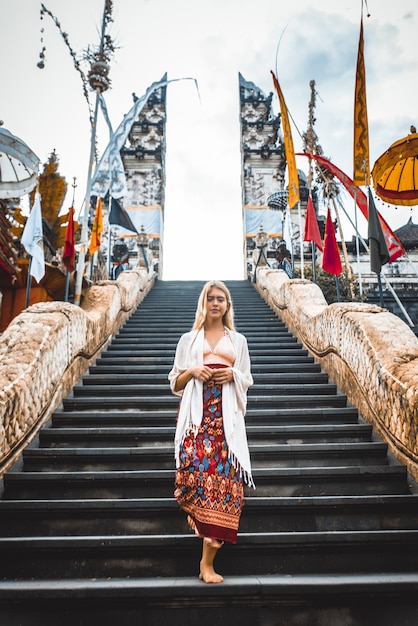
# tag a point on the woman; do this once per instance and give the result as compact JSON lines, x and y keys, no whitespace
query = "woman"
{"x":211,"y":373}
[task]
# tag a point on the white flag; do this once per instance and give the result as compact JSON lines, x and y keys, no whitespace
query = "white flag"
{"x":32,"y":240}
{"x":110,"y":172}
{"x":287,"y":231}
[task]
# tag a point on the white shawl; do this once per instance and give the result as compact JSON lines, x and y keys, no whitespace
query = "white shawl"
{"x":189,"y":354}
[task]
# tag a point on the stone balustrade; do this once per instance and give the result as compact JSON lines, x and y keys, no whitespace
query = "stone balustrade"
{"x":48,"y":347}
{"x":371,"y":354}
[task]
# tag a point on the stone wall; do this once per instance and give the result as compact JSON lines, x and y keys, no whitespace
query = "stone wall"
{"x":371,"y":354}
{"x":48,"y":347}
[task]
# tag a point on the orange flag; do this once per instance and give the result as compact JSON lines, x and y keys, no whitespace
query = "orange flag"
{"x":331,"y":260}
{"x":68,"y":255}
{"x":311,"y":225}
{"x":288,"y":146}
{"x":96,"y":231}
{"x":361,"y":174}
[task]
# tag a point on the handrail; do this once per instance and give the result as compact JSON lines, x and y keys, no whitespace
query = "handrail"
{"x":48,"y":347}
{"x":369,"y":353}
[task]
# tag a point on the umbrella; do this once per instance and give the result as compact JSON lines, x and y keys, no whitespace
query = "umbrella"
{"x":278,"y":200}
{"x":395,"y":173}
{"x":18,"y":166}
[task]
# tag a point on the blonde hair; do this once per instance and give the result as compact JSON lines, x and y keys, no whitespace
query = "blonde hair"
{"x":201,"y":311}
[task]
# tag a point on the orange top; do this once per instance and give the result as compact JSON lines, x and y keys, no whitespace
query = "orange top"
{"x":223,"y":353}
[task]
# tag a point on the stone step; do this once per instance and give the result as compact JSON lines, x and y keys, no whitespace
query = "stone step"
{"x":108,"y":358}
{"x":142,"y":516}
{"x":246,"y":310}
{"x":339,"y":552}
{"x":147,"y":436}
{"x":269,"y":332}
{"x":267,"y":371}
{"x":375,"y":599}
{"x":162,"y":457}
{"x":176,"y":321}
{"x":162,"y":350}
{"x":169,"y":326}
{"x":268,"y":415}
{"x":170,"y":340}
{"x":159,"y":390}
{"x":295,"y":482}
{"x":140,"y":379}
{"x":167,"y":401}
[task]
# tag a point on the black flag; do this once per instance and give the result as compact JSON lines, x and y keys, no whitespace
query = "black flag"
{"x":379,"y":254}
{"x":118,"y":215}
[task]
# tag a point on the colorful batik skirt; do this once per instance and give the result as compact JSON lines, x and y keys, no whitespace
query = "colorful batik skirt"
{"x":208,"y":486}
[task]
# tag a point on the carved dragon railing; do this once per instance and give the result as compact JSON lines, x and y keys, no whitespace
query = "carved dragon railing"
{"x":369,"y":353}
{"x":47,"y":348}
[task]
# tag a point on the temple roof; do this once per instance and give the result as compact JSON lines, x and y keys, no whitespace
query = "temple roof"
{"x":408,"y":234}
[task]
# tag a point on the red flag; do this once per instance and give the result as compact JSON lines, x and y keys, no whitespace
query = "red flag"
{"x":311,"y":226}
{"x":331,"y":260}
{"x":395,"y":247}
{"x":68,"y":255}
{"x":96,"y":231}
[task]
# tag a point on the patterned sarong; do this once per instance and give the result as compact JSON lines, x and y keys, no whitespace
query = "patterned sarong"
{"x":208,"y":486}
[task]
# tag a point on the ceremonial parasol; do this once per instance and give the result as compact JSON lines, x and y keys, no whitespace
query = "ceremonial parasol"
{"x":278,"y":200}
{"x":395,"y":173}
{"x":18,"y":166}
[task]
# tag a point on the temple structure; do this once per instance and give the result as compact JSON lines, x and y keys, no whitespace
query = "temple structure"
{"x":263,"y":166}
{"x":264,"y":193}
{"x":143,"y":157}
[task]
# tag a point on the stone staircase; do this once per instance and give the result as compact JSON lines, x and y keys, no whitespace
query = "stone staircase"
{"x":90,"y":532}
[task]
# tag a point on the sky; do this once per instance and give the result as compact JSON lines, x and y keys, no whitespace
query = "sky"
{"x":211,"y":41}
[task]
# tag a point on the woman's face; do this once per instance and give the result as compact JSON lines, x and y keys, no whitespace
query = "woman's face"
{"x":216,"y":304}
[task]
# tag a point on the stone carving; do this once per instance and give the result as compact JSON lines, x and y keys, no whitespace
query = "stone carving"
{"x":251,"y":114}
{"x":371,"y":354}
{"x":47,"y":348}
{"x":144,"y":188}
{"x":254,"y":189}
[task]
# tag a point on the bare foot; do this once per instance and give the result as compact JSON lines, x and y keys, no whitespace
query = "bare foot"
{"x":210,"y":548}
{"x":209,"y":576}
